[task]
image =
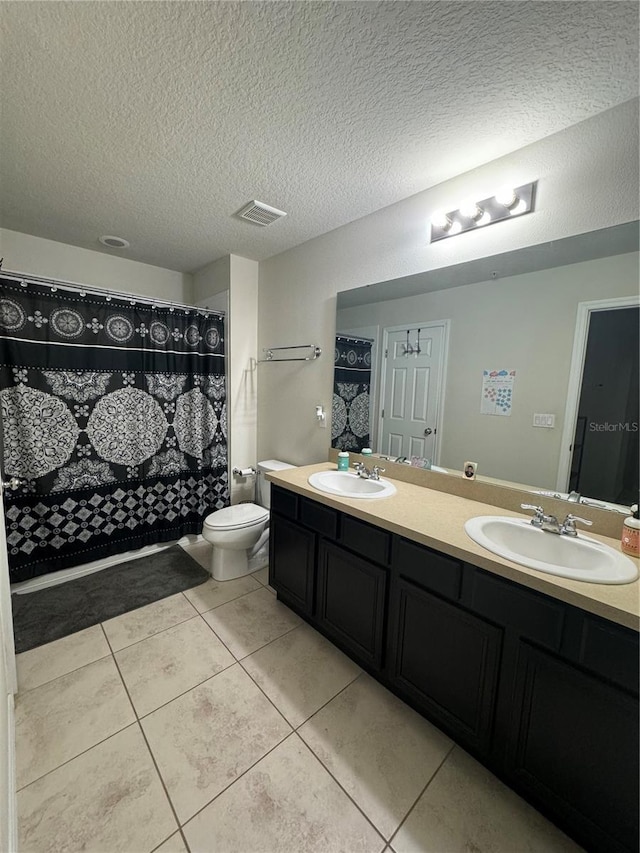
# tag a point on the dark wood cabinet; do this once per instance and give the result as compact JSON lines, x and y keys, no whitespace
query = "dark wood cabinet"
{"x":352,"y":603}
{"x":292,"y":563}
{"x":446,"y":661}
{"x":573,"y":745}
{"x":545,"y":694}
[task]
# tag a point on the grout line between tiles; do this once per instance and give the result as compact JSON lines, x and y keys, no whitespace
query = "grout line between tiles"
{"x":227,"y":647}
{"x":222,"y":604}
{"x":421,"y":794}
{"x":23,"y":692}
{"x":164,"y":787}
{"x":339,"y":784}
{"x":153,"y":759}
{"x":88,"y":749}
{"x":237,"y":779}
{"x":156,"y":634}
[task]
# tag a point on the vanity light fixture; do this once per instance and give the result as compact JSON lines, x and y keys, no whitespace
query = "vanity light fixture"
{"x":507,"y":202}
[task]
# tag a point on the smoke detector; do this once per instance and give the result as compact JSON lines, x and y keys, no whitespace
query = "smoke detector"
{"x":114,"y":242}
{"x":260,"y":213}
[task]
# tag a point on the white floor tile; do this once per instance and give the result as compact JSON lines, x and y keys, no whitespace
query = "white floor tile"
{"x":300,"y":671}
{"x":250,"y":622}
{"x":61,"y":719}
{"x":158,"y":669}
{"x":381,"y":751}
{"x":146,"y":621}
{"x":107,"y":800}
{"x":44,"y":663}
{"x":287,"y":803}
{"x":466,"y":808}
{"x":205,"y":739}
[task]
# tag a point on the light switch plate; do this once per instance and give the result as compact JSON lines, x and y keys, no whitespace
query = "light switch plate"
{"x":547,"y":421}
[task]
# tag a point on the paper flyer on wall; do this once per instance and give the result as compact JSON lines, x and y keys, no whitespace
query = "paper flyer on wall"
{"x":497,"y":392}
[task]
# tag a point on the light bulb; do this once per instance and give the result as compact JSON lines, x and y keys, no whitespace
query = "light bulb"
{"x":485,"y":219}
{"x":470,"y":210}
{"x":441,"y":220}
{"x":506,"y":196}
{"x":456,"y":227}
{"x":520,"y":207}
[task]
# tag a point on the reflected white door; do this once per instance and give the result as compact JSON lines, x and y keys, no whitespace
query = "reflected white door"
{"x":413,"y":381}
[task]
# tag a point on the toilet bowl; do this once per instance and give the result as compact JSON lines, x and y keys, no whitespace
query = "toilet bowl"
{"x":239,"y":532}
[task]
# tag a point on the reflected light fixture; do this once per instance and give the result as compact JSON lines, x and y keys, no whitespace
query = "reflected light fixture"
{"x":507,"y":202}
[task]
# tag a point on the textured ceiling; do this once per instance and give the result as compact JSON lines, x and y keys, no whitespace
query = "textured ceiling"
{"x":157,"y":121}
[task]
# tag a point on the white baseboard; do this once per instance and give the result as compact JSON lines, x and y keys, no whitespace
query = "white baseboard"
{"x":11,"y":805}
{"x":64,"y":575}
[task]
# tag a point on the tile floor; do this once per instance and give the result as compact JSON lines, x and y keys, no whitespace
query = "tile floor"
{"x":216,"y":720}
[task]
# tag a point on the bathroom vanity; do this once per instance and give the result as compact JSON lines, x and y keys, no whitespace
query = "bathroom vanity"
{"x":535,"y":676}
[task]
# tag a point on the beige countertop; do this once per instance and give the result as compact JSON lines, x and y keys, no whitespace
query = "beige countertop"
{"x":436,"y":519}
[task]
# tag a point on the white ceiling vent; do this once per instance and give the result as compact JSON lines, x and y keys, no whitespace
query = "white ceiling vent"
{"x":260,"y":213}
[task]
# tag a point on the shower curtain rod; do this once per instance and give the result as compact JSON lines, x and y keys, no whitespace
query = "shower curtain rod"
{"x":83,"y":289}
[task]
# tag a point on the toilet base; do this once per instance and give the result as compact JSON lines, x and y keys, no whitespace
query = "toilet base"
{"x":227,"y":564}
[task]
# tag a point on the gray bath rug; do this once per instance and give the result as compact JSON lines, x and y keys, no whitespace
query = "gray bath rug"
{"x":46,"y":615}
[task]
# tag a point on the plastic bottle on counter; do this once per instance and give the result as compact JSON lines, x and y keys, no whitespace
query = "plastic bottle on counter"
{"x":630,"y":542}
{"x":343,"y":461}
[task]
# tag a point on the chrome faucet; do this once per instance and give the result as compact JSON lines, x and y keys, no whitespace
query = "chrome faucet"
{"x":568,"y":527}
{"x":362,"y":471}
{"x":550,"y":523}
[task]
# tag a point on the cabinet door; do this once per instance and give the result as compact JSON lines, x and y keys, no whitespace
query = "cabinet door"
{"x":446,"y":662}
{"x":351,"y":602}
{"x":574,"y":745}
{"x":291,"y":562}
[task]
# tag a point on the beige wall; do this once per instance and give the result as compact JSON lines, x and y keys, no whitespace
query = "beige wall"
{"x":36,"y":256}
{"x":238,"y":276}
{"x":587,"y":179}
{"x":523,"y":322}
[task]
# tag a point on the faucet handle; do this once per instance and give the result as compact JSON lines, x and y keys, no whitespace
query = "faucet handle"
{"x":376,"y":471}
{"x":569,"y":524}
{"x":538,"y":518}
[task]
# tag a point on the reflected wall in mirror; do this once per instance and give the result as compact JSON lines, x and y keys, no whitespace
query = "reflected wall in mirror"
{"x":435,"y":334}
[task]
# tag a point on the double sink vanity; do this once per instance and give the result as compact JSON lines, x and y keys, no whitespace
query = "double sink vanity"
{"x":533,"y":672}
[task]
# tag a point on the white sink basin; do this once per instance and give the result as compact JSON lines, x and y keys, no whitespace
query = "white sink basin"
{"x":580,"y":557}
{"x":348,"y":485}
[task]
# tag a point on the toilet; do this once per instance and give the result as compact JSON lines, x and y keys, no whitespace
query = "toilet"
{"x":239,"y":534}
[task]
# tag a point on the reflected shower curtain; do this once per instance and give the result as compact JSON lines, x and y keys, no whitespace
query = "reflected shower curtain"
{"x":350,"y":415}
{"x":114,"y":417}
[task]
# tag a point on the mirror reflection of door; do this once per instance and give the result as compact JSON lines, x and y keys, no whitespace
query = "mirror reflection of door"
{"x":605,"y":447}
{"x":413,"y":368}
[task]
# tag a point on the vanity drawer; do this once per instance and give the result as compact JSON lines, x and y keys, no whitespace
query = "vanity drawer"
{"x":320,"y":518}
{"x":284,"y":502}
{"x":427,"y":568}
{"x":530,"y":614}
{"x":610,"y":651}
{"x":366,"y":540}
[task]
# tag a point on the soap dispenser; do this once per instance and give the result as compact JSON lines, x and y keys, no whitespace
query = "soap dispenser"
{"x":631,"y":533}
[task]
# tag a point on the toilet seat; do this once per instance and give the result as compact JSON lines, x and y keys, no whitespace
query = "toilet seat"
{"x":236,"y":517}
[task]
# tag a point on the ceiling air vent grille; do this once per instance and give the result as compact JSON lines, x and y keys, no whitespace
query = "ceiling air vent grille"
{"x":260,"y":213}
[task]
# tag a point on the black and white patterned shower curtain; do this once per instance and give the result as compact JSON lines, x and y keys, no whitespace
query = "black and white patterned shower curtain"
{"x":351,"y":385}
{"x":114,"y":413}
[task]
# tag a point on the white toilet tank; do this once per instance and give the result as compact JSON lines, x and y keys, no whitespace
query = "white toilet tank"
{"x":263,"y":486}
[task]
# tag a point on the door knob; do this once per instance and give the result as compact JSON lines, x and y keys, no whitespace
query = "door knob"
{"x":428,"y":431}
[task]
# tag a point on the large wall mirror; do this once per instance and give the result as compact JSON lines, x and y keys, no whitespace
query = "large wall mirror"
{"x":525,"y":363}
